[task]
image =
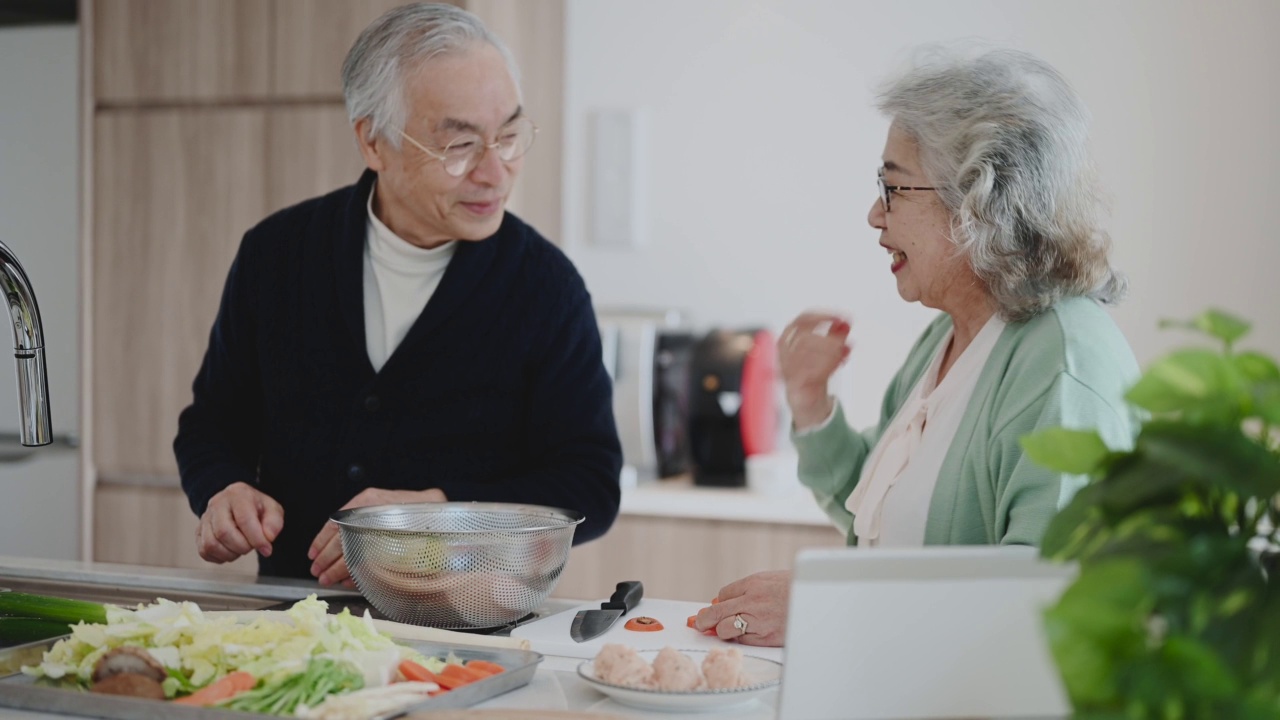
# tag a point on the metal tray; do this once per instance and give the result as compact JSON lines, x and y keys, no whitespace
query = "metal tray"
{"x":21,"y":691}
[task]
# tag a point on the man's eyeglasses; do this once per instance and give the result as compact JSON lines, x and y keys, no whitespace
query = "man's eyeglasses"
{"x":464,"y":152}
{"x":886,"y":191}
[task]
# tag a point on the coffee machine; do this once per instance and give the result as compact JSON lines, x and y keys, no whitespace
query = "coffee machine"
{"x":733,"y":411}
{"x":646,"y":352}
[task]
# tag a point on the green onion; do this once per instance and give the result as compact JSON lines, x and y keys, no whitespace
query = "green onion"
{"x":20,"y":630}
{"x":43,"y":607}
{"x":321,"y":678}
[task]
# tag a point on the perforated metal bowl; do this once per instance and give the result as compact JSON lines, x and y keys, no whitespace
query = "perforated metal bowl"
{"x":456,"y":565}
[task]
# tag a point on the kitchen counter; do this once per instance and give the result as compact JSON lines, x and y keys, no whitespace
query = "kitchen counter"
{"x":783,"y":500}
{"x":787,"y":503}
{"x":555,"y":686}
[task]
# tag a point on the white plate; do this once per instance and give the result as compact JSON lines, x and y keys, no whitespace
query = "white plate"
{"x":767,"y":674}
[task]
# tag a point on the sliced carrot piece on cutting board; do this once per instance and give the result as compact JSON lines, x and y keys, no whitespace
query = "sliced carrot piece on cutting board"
{"x":643,"y":624}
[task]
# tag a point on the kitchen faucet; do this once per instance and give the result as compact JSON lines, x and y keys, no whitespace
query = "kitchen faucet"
{"x":28,"y":350}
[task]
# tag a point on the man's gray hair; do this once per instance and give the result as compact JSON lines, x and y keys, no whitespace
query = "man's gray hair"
{"x":1004,"y":138}
{"x":391,"y":47}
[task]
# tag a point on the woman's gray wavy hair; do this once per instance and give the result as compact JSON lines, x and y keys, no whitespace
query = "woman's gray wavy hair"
{"x":1004,"y":138}
{"x":373,"y":75}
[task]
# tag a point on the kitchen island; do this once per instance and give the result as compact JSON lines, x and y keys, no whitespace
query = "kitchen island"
{"x":555,"y":686}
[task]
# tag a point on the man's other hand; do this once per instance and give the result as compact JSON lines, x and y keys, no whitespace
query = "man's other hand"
{"x":326,"y":550}
{"x":237,"y":521}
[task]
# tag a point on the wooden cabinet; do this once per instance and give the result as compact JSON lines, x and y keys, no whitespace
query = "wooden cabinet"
{"x":173,"y":192}
{"x":151,"y":525}
{"x":685,"y":559}
{"x":165,"y":51}
{"x":310,"y":150}
{"x":534,"y":32}
{"x":156,"y":52}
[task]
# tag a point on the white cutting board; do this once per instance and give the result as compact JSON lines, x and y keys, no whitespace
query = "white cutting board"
{"x":550,"y":635}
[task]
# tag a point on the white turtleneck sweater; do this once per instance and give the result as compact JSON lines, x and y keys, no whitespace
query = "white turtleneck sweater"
{"x":399,"y":279}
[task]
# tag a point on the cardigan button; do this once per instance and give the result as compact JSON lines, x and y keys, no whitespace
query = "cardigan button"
{"x":372,"y":403}
{"x":355,"y":473}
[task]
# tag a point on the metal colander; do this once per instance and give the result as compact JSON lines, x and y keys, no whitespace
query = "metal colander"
{"x":456,"y":565}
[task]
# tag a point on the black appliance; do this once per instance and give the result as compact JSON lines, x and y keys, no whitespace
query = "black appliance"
{"x":732,"y":406}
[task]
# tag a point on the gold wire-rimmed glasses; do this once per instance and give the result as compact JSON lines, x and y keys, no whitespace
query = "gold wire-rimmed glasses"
{"x":464,"y":152}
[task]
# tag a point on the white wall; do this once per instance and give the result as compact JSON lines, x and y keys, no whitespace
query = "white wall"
{"x":39,"y":171}
{"x":762,"y":147}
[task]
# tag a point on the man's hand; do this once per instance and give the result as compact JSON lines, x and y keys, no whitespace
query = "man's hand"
{"x":326,"y":550}
{"x":237,"y":521}
{"x":810,"y":350}
{"x":760,"y":600}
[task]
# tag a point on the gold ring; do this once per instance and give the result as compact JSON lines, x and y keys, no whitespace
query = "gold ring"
{"x":740,"y":624}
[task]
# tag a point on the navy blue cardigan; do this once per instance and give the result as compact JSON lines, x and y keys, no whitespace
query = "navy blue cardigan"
{"x":497,"y":393}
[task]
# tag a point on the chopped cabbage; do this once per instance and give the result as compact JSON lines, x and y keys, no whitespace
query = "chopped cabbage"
{"x":198,"y":648}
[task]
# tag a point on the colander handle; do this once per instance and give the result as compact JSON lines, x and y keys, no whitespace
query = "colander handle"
{"x":626,"y":597}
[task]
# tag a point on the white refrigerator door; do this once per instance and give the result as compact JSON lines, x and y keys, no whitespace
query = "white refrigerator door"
{"x":40,"y":503}
{"x":39,"y":172}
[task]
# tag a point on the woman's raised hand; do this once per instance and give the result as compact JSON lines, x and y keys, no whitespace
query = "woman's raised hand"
{"x":810,"y":350}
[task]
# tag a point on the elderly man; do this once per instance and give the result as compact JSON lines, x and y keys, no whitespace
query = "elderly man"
{"x":403,"y":339}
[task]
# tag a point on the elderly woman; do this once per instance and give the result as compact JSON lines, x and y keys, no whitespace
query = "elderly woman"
{"x":988,"y":211}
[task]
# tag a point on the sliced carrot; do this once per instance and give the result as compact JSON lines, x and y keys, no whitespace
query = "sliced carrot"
{"x":485,"y":666}
{"x":693,"y":623}
{"x":449,"y":682}
{"x":643,"y":624}
{"x":479,"y":673}
{"x":228,"y":686}
{"x":414,"y":672}
{"x":459,"y":672}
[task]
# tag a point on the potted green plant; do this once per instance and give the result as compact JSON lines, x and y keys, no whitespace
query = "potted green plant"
{"x":1174,"y":613}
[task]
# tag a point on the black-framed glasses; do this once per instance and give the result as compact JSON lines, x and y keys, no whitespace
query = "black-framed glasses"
{"x":886,"y":191}
{"x":464,"y":152}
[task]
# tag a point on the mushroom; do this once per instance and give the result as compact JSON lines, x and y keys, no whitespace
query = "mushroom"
{"x":128,"y":660}
{"x":131,"y":685}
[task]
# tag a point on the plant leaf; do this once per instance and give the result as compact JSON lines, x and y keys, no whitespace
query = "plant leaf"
{"x":1199,"y":670}
{"x":1256,"y":367}
{"x":1211,"y":455}
{"x":1217,"y":324}
{"x":1267,"y":663}
{"x":1072,"y":524}
{"x":1266,"y":401}
{"x":1078,"y":452}
{"x":1148,"y":482}
{"x":1096,"y":627}
{"x":1196,"y":381}
{"x":1222,"y":325}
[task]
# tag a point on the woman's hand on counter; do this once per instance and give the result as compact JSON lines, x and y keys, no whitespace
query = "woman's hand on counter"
{"x":237,"y":521}
{"x":325,"y":554}
{"x":760,"y":600}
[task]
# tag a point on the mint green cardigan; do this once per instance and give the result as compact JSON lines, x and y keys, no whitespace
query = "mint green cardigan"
{"x":1068,"y":366}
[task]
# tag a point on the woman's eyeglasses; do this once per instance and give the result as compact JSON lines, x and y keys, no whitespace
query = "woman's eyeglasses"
{"x":886,"y":191}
